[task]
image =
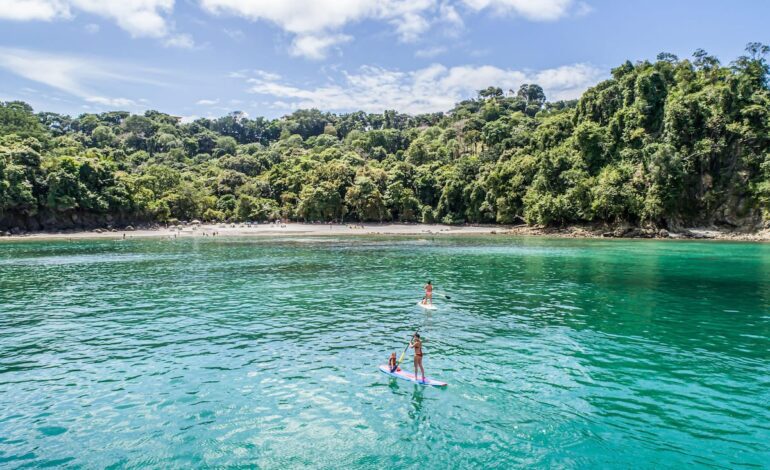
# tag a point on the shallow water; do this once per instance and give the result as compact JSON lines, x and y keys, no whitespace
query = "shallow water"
{"x":215,"y":352}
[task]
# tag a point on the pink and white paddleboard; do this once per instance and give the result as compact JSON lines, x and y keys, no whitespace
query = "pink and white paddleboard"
{"x":404,"y":375}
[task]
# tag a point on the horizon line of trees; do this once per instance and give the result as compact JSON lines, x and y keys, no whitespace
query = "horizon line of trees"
{"x":661,"y":143}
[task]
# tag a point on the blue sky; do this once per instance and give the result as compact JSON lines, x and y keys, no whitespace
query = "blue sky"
{"x":205,"y":58}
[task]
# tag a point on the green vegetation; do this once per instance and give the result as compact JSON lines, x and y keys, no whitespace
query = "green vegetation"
{"x":660,"y":144}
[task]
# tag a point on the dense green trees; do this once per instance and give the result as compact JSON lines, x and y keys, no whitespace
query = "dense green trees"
{"x":660,"y":143}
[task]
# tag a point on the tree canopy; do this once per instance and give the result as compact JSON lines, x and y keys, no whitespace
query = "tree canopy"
{"x":662,"y":143}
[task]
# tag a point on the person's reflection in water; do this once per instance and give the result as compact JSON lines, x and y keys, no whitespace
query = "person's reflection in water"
{"x":417,"y":397}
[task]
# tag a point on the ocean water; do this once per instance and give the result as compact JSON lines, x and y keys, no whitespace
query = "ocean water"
{"x":264,"y":353}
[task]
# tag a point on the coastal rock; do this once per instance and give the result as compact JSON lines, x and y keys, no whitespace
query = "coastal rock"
{"x":130,"y":228}
{"x":700,"y":234}
{"x":98,"y":230}
{"x":663,"y":233}
{"x":647,"y":233}
{"x":632,"y":233}
{"x":15,"y":231}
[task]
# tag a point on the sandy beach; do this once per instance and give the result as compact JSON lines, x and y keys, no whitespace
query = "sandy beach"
{"x":264,"y":230}
{"x":315,"y":230}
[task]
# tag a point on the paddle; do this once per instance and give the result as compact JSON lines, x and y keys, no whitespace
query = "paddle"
{"x":405,"y":350}
{"x":443,"y":295}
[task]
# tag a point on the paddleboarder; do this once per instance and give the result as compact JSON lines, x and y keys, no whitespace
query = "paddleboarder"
{"x":428,"y":299}
{"x":393,"y":363}
{"x":416,"y":344}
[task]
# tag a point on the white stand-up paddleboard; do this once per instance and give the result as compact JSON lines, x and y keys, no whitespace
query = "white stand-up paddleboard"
{"x":426,"y":306}
{"x":410,"y":377}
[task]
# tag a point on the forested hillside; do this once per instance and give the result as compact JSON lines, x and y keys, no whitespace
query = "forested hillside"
{"x":663,"y":144}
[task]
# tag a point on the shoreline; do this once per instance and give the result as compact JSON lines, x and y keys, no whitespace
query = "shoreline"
{"x":309,"y":229}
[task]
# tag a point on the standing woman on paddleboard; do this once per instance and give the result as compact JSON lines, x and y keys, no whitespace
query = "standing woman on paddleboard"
{"x":428,"y":299}
{"x":417,"y":345}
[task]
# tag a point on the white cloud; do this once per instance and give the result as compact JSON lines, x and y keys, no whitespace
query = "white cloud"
{"x":265,"y":75}
{"x":316,"y":47}
{"x":449,"y":15}
{"x":244,"y":74}
{"x":430,"y":52}
{"x":29,"y":10}
{"x":234,"y":34}
{"x":315,"y":24}
{"x":430,"y":89}
{"x":140,"y":18}
{"x":411,"y":26}
{"x":112,"y":102}
{"x":182,"y":41}
{"x":296,"y":16}
{"x":536,"y":10}
{"x":567,"y":82}
{"x":92,"y":28}
{"x":207,"y":102}
{"x":80,"y":77}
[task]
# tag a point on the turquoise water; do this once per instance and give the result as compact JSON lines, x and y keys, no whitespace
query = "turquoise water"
{"x":219,"y":352}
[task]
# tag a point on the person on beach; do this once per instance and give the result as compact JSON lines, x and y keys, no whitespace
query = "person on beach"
{"x":428,"y":299}
{"x":393,"y":363}
{"x":416,"y":344}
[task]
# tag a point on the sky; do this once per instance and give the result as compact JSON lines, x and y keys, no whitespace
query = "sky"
{"x":206,"y":58}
